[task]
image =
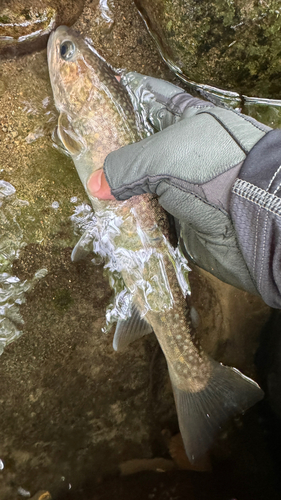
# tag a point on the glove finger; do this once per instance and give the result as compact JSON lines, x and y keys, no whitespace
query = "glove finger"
{"x":151,"y":98}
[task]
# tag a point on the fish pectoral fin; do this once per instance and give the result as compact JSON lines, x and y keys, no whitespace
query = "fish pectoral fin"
{"x":202,"y":414}
{"x":83,"y":247}
{"x":67,"y":135}
{"x":129,"y":330}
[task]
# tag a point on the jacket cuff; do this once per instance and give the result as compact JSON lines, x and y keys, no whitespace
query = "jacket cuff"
{"x":256,"y":213}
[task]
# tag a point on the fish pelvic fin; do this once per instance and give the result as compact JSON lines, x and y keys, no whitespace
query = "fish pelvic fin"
{"x":83,"y":247}
{"x":202,"y":414}
{"x":129,"y":330}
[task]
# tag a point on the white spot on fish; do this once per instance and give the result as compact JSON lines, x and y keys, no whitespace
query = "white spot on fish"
{"x":55,"y":205}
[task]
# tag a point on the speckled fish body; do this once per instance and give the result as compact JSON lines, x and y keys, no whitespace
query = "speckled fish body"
{"x":96,"y":117}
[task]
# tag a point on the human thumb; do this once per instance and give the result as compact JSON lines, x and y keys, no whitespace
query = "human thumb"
{"x":98,"y":186}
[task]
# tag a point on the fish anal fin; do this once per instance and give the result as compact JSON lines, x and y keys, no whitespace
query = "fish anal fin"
{"x":129,"y":330}
{"x":202,"y":414}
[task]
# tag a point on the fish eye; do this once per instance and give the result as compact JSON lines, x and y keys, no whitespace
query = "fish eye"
{"x":67,"y":49}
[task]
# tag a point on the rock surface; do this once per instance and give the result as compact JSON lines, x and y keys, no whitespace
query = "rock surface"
{"x":24,"y":27}
{"x":231,"y":45}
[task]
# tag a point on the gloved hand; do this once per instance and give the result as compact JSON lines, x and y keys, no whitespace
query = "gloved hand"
{"x":192,"y":164}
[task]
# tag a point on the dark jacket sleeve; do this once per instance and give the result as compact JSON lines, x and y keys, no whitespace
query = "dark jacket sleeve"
{"x":256,"y":214}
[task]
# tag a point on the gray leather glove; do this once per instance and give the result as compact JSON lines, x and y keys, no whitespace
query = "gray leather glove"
{"x":191,"y":164}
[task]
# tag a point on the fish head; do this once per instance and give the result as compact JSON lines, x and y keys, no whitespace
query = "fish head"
{"x":71,"y":84}
{"x":96,"y":114}
{"x":70,"y":74}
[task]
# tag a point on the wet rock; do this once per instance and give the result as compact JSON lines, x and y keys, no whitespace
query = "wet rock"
{"x":24,"y":27}
{"x":231,"y":45}
{"x":72,"y":408}
{"x":117,"y":33}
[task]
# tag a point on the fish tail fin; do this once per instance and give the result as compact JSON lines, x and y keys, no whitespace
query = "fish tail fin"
{"x":202,"y":414}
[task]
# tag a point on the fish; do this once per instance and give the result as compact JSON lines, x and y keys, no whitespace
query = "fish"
{"x":96,"y":117}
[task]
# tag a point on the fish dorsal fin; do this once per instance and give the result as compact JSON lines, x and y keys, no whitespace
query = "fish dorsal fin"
{"x":68,"y":136}
{"x":83,"y":247}
{"x":129,"y":330}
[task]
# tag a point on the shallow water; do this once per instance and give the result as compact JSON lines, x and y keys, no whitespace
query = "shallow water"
{"x":72,"y":409}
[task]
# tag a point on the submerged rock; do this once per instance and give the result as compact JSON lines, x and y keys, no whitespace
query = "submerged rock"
{"x":117,"y":32}
{"x":24,"y":27}
{"x":234,"y":45}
